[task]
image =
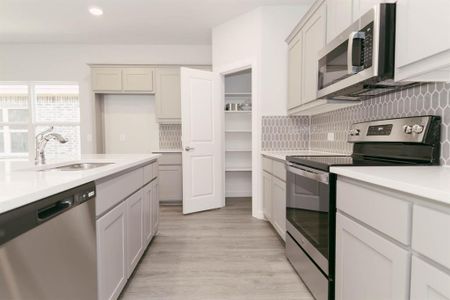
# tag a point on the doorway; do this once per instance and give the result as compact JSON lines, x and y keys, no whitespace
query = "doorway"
{"x":238,"y":138}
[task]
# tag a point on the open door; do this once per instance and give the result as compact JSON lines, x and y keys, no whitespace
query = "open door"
{"x":201,"y":114}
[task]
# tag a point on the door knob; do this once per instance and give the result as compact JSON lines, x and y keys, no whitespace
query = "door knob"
{"x":189,"y":148}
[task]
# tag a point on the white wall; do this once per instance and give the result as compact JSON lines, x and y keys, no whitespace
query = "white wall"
{"x":65,"y":62}
{"x":130,"y":124}
{"x":257,"y":38}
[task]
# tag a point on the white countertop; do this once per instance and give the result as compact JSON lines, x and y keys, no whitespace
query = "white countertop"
{"x":431,"y":182}
{"x":168,"y":151}
{"x":281,"y":155}
{"x":21,"y":183}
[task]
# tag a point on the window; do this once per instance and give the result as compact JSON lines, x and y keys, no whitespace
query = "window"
{"x":27,"y":109}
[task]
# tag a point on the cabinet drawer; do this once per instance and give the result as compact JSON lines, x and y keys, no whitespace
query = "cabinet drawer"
{"x":111,"y":191}
{"x":170,"y":159}
{"x":431,"y":234}
{"x":279,"y":169}
{"x":427,"y":282}
{"x":267,"y":164}
{"x":377,"y":208}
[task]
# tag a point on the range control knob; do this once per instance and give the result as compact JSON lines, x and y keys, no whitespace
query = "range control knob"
{"x":417,"y":128}
{"x":407,"y":129}
{"x":354,"y":132}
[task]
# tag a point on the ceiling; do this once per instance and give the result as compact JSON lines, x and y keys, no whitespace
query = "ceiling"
{"x":123,"y":21}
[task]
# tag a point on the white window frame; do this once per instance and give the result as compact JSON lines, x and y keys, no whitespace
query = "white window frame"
{"x":32,"y":124}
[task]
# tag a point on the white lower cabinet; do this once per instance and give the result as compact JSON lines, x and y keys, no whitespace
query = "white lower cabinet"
{"x":148,"y":193}
{"x":111,"y":256}
{"x":368,"y":266}
{"x":125,"y":230}
{"x":267,"y":195}
{"x":279,"y":206}
{"x":428,"y":282}
{"x":135,"y":229}
{"x":155,"y":207}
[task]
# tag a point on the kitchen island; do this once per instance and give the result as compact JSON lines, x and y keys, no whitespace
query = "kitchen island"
{"x":120,"y":218}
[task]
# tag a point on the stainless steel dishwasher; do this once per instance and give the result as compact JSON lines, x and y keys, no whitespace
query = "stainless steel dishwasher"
{"x":48,"y":248}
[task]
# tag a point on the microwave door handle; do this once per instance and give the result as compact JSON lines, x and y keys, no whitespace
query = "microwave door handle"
{"x":351,"y":69}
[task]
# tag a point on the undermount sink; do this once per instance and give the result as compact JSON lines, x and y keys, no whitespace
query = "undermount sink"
{"x":79,"y":166}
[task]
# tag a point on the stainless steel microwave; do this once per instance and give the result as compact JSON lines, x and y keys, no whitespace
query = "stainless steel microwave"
{"x":359,"y":63}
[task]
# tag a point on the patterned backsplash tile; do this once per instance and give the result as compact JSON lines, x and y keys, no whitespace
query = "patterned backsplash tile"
{"x":285,"y":132}
{"x":424,"y":99}
{"x":169,"y":136}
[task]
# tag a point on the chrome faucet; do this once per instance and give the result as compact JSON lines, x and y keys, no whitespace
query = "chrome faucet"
{"x":41,"y":141}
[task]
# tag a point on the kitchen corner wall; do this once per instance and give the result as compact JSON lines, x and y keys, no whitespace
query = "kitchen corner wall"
{"x":424,"y":99}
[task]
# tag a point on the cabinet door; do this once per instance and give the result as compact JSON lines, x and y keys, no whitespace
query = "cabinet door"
{"x":428,"y":282}
{"x":267,"y":195}
{"x":111,"y":252}
{"x":368,"y":266}
{"x":138,"y":79}
{"x":148,"y":211}
{"x":170,"y":183}
{"x":106,"y":79}
{"x":422,"y":40}
{"x":314,"y":37}
{"x":155,"y":211}
{"x":279,"y":206}
{"x":135,"y":229}
{"x":360,"y":7}
{"x":339,"y":17}
{"x":295,"y":54}
{"x":168,"y":94}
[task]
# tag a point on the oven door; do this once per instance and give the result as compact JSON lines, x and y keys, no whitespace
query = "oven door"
{"x":308,"y":212}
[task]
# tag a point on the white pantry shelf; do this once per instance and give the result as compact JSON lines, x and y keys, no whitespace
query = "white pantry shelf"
{"x":238,"y":169}
{"x":238,"y":131}
{"x":238,"y":150}
{"x":238,"y":111}
{"x":238,"y":94}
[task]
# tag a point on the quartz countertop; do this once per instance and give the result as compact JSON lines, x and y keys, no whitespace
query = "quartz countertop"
{"x":430,"y":182}
{"x":21,"y":182}
{"x":281,"y":155}
{"x":168,"y":151}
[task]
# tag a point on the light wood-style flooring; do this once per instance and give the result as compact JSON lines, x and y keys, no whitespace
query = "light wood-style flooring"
{"x":218,"y":254}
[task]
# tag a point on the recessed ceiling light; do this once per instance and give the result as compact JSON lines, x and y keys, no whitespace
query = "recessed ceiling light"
{"x":96,"y":11}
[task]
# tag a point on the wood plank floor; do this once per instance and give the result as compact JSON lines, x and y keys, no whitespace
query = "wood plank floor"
{"x":219,"y":254}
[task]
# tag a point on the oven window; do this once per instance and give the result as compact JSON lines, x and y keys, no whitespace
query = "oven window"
{"x":307,"y":209}
{"x":333,"y":66}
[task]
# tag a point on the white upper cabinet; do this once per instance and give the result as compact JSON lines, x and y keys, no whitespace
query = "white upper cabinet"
{"x":314,"y":37}
{"x":107,"y":79}
{"x":118,"y":79}
{"x":422,"y":40}
{"x":295,"y":72}
{"x":339,"y":17}
{"x":168,"y":95}
{"x":360,"y":7}
{"x":137,"y":79}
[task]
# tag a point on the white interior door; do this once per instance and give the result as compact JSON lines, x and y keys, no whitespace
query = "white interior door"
{"x":201,"y":113}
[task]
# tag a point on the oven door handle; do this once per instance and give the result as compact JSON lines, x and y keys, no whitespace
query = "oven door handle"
{"x":314,"y":175}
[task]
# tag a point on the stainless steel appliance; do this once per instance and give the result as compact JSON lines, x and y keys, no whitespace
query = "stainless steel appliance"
{"x":311,"y":189}
{"x":48,"y":248}
{"x":359,"y":63}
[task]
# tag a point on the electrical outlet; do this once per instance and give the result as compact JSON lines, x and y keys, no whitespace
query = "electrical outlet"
{"x":122,"y":137}
{"x":330,"y":136}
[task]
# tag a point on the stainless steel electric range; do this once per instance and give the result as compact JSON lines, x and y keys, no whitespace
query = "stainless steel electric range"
{"x":311,"y":189}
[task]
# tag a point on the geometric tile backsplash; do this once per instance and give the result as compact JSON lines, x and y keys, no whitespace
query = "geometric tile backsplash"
{"x":423,"y":99}
{"x":169,"y":136}
{"x":285,"y":132}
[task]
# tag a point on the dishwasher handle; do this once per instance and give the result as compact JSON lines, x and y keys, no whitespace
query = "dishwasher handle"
{"x":54,"y":209}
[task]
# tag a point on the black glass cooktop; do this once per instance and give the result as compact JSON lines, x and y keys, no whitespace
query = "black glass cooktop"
{"x":325,"y":162}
